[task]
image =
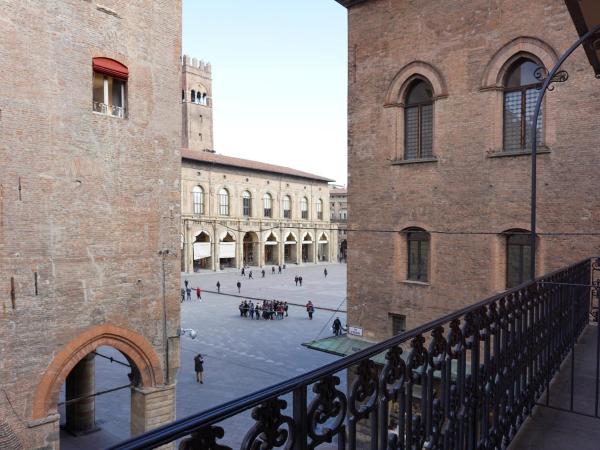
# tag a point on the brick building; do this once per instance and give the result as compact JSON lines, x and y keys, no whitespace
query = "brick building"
{"x":239,"y":212}
{"x":440,"y":104}
{"x":89,"y":195}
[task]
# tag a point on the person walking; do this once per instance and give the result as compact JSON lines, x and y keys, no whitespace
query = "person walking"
{"x":337,"y":327}
{"x":186,"y":283}
{"x":239,"y":286}
{"x":188,"y":293}
{"x":285,"y":307}
{"x":325,"y":272}
{"x":199,"y":368}
{"x":243,"y":271}
{"x":263,"y":273}
{"x":250,"y":275}
{"x":296,"y":280}
{"x":273,"y":270}
{"x":251,"y":310}
{"x":279,"y":268}
{"x":218,"y":287}
{"x":310,"y":309}
{"x":300,"y":280}
{"x":198,"y":294}
{"x":182,"y":294}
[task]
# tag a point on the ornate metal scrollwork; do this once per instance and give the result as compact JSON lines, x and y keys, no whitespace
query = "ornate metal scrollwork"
{"x":392,"y":377}
{"x":329,"y":403}
{"x":269,"y":432}
{"x":541,"y":73}
{"x":204,"y":439}
{"x":363,"y":396}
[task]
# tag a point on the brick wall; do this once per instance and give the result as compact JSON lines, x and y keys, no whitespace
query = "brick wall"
{"x":86,"y":200}
{"x":459,"y":46}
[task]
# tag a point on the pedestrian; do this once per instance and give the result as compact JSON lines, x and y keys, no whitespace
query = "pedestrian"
{"x":198,"y":293}
{"x":239,"y":286}
{"x":243,"y":271}
{"x":279,"y":268}
{"x":182,"y":294}
{"x":218,"y":287}
{"x":188,"y":293}
{"x":250,"y":274}
{"x":251,"y":310}
{"x":337,"y":326}
{"x":273,"y":270}
{"x":310,"y":309}
{"x":325,"y":272}
{"x":263,"y":273}
{"x":285,"y":307}
{"x":199,"y":368}
{"x":300,"y":280}
{"x":296,"y":280}
{"x":186,"y":283}
{"x":241,"y":308}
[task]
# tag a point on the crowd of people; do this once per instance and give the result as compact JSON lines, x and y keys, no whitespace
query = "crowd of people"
{"x":268,"y":309}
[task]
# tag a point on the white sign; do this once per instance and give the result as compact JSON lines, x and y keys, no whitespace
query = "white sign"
{"x":201,"y":250}
{"x":355,"y":331}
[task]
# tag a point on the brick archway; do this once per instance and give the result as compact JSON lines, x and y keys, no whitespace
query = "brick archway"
{"x":137,"y":349}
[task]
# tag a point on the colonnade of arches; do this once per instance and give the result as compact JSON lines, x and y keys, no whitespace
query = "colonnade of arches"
{"x":255,"y":248}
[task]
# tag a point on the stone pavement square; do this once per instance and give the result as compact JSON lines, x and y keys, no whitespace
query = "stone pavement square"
{"x":241,"y":355}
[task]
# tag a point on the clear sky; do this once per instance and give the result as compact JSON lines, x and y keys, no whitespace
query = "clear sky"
{"x":279,"y":79}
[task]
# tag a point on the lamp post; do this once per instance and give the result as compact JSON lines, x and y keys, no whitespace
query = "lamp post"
{"x":586,"y":16}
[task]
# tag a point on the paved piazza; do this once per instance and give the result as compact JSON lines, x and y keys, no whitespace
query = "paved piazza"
{"x":241,"y":355}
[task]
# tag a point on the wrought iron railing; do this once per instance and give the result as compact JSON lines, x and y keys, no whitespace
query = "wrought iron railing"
{"x":478,"y":372}
{"x":109,"y":110}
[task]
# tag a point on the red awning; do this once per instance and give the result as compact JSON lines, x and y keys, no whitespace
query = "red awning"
{"x":110,"y":67}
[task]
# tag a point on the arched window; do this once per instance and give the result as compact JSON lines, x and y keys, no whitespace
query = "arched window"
{"x":304,"y":208}
{"x":268,"y":205}
{"x":518,"y":257}
{"x":521,"y":91}
{"x":418,"y":255}
{"x":193,"y":99}
{"x":246,"y":204}
{"x":287,"y":207}
{"x":223,"y":202}
{"x":418,"y":121}
{"x":198,"y":200}
{"x":320,"y":209}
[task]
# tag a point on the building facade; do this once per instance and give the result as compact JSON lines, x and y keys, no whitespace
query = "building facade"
{"x":237,"y":212}
{"x":89,"y":196}
{"x":339,"y":216}
{"x":440,"y":110}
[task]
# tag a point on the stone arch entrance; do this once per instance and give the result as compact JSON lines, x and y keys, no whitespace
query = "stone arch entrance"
{"x":74,"y":364}
{"x":323,"y":248}
{"x":202,"y":252}
{"x":227,"y":250}
{"x":307,"y":248}
{"x":250,"y":247}
{"x":271,"y":250}
{"x":290,"y":244}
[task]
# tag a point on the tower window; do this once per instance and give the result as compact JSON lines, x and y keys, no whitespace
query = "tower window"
{"x":109,"y":91}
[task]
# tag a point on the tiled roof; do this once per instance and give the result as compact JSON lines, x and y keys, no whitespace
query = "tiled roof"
{"x":215,"y":158}
{"x":339,"y":191}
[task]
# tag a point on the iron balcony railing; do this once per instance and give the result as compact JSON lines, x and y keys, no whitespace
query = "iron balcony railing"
{"x":478,"y":372}
{"x":109,"y":110}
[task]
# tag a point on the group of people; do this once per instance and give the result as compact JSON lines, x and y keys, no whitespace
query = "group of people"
{"x":269,"y":310}
{"x":186,"y":292}
{"x":247,"y":270}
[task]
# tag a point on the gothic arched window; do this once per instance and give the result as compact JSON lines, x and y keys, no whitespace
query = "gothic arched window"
{"x":418,"y":121}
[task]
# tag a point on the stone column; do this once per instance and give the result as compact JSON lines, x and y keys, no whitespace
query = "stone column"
{"x":299,"y":250}
{"x":81,"y":383}
{"x":315,"y":251}
{"x":151,"y":407}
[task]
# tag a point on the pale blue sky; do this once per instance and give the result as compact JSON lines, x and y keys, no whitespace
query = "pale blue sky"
{"x":279,"y":79}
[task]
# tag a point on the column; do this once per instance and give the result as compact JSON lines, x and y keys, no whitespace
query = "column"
{"x":81,"y":383}
{"x":315,"y":249}
{"x":151,"y":408}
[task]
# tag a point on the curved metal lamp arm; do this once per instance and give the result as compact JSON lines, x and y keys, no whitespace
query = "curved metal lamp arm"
{"x":552,"y":77}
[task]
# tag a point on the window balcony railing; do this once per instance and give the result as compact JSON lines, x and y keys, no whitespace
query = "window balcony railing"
{"x":109,"y":110}
{"x":464,"y":381}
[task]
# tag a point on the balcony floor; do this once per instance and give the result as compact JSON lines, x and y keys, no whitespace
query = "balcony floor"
{"x":550,"y":429}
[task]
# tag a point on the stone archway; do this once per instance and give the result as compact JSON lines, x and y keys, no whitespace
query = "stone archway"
{"x":250,"y":249}
{"x":134,"y":346}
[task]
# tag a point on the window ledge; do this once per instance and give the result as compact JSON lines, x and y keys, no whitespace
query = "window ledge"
{"x":416,"y":283}
{"x":501,"y":154}
{"x":400,"y":162}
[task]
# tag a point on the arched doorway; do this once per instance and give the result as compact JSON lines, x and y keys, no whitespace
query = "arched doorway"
{"x":323,"y":248}
{"x":74,"y":366}
{"x":202,"y":253}
{"x":250,"y":247}
{"x":307,"y":248}
{"x":227,"y":251}
{"x":271,"y":253}
{"x":289,"y":251}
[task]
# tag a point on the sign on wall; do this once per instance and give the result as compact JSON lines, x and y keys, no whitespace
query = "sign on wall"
{"x":355,"y":331}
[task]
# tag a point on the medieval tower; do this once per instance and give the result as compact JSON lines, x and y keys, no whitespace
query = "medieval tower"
{"x":196,"y":96}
